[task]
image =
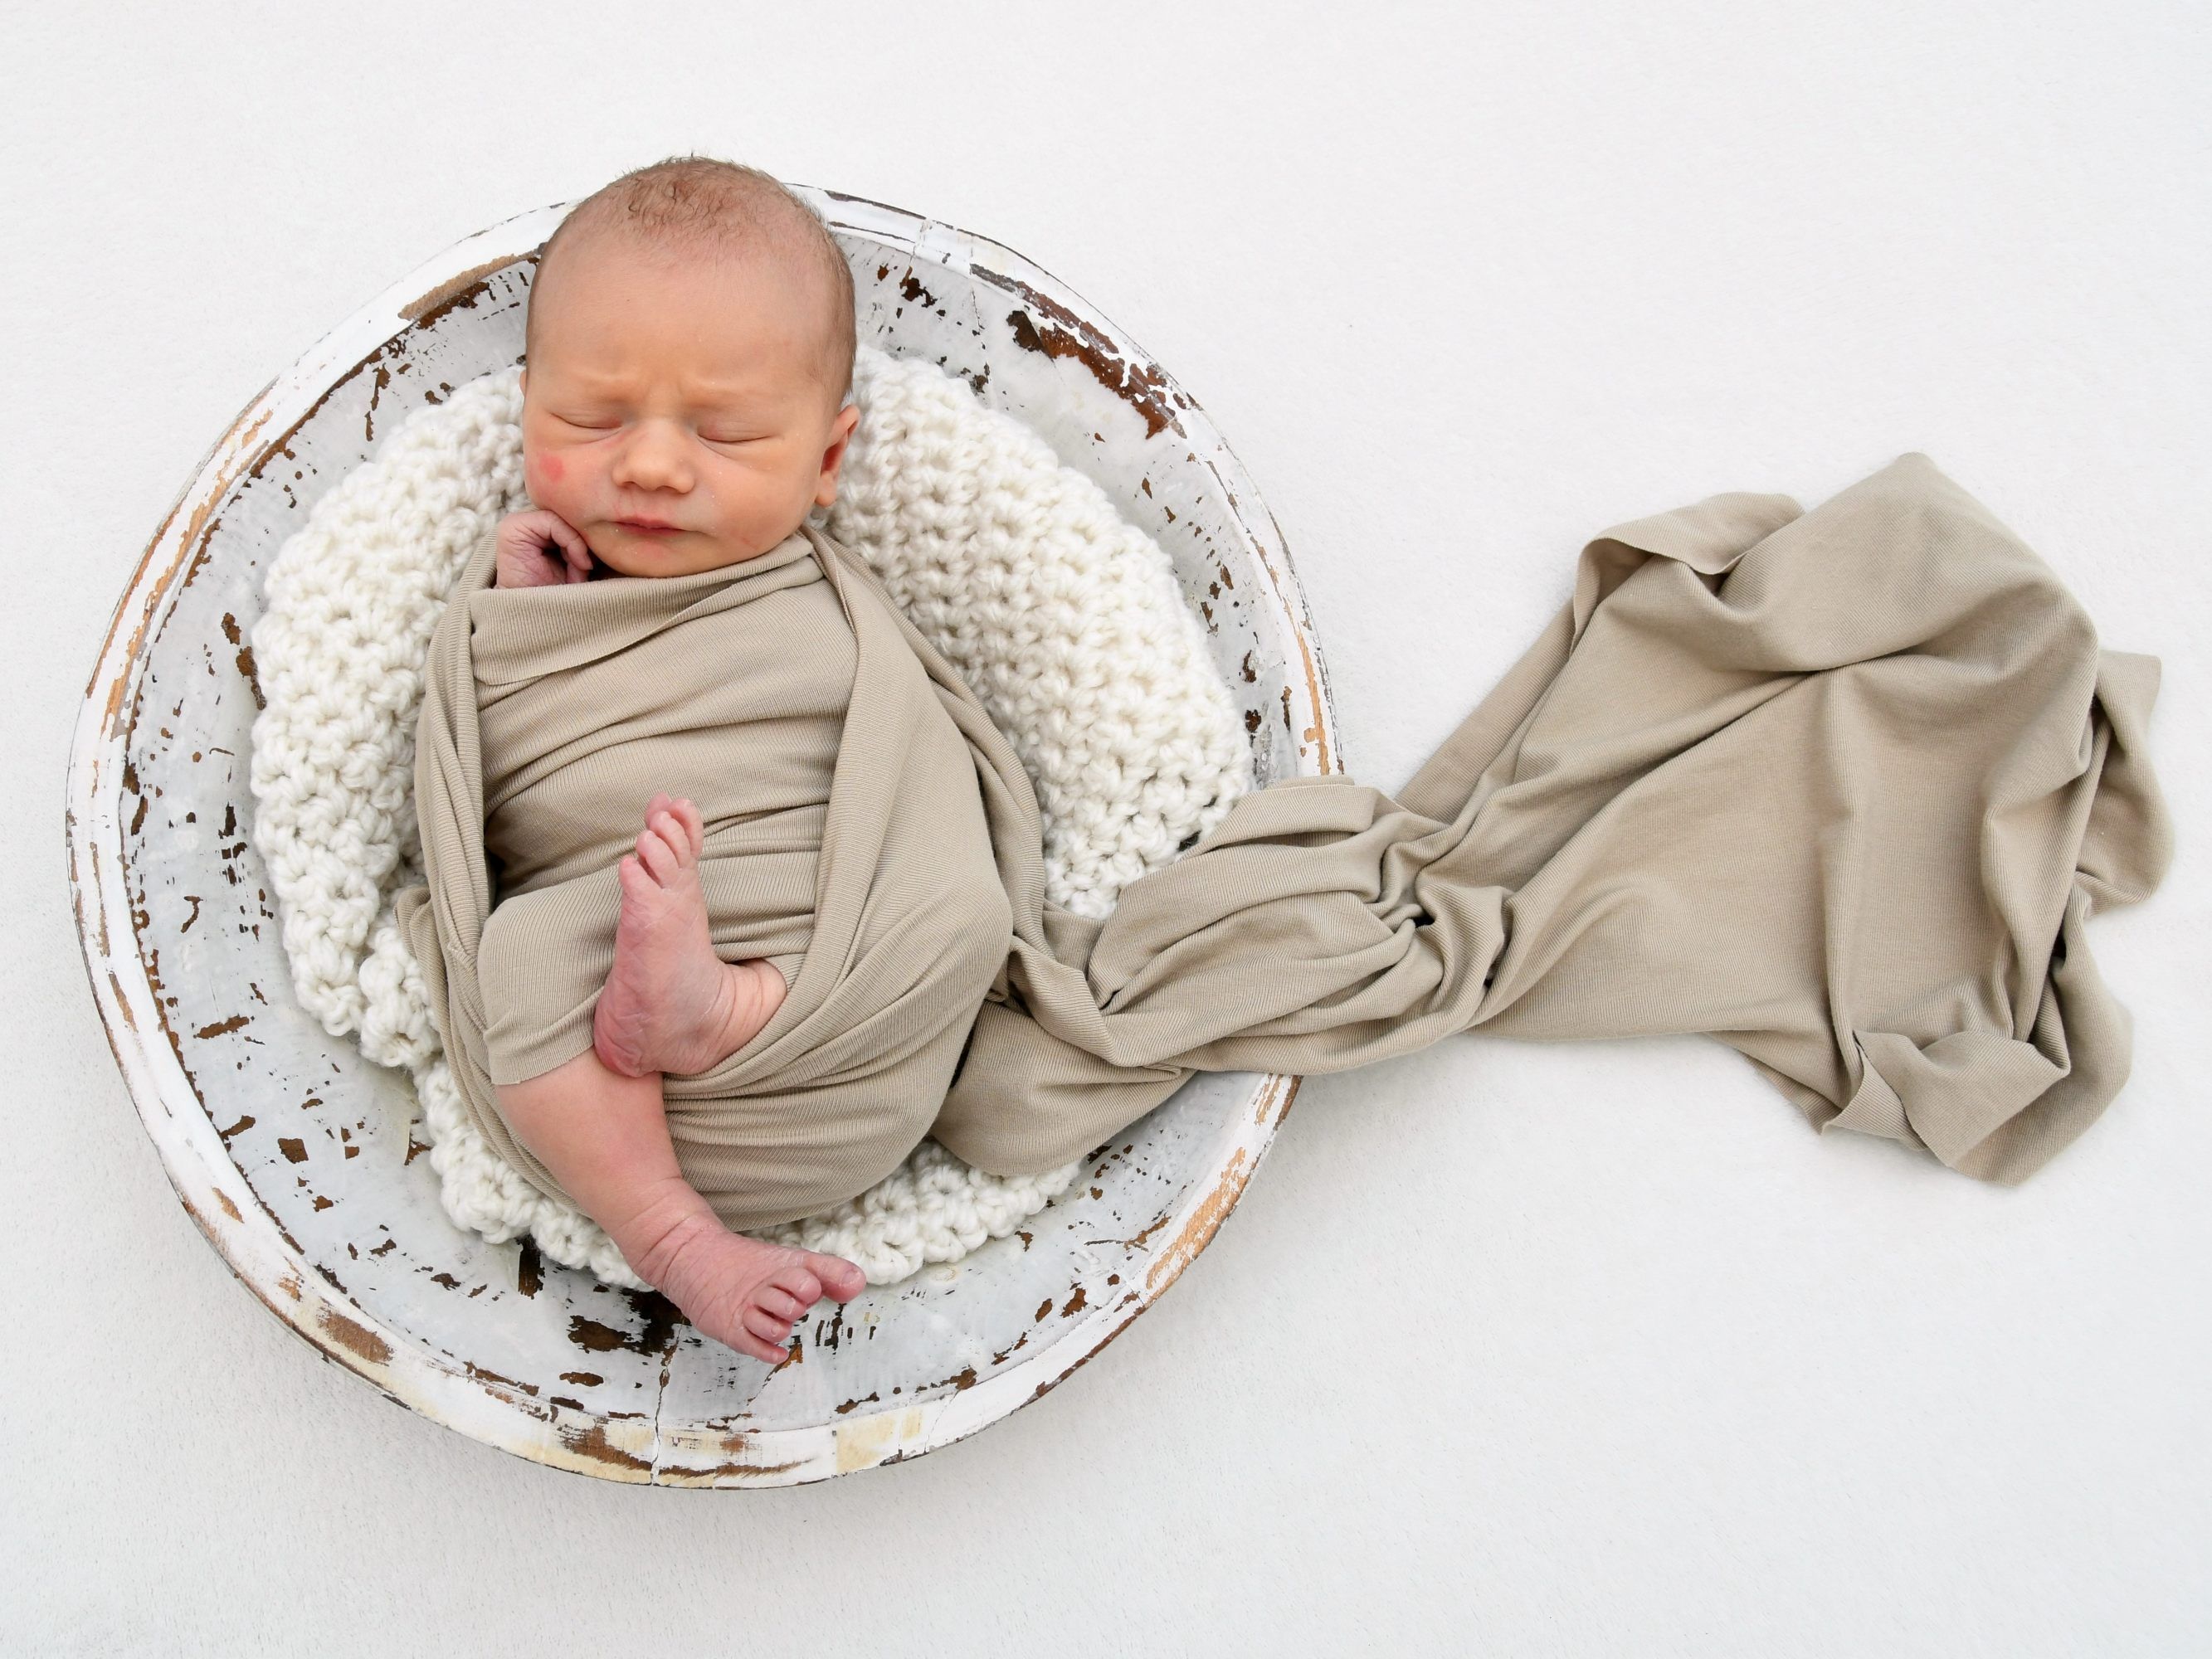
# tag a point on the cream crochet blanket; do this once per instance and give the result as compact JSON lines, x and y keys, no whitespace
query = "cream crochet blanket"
{"x":1016,"y":567}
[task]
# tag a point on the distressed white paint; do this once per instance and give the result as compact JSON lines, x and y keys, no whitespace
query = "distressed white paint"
{"x":283,"y":1142}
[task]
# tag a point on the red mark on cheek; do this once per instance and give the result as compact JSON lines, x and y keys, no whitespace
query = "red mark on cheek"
{"x":548,"y":468}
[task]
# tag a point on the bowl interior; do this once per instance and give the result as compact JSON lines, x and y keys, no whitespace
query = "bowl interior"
{"x":569,"y":1369}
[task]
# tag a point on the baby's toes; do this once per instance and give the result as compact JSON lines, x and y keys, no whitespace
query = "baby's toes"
{"x":677,"y":834}
{"x":657,"y":857}
{"x":765,"y":1325}
{"x":780,"y":1302}
{"x":839,"y":1278}
{"x":770,"y":1354}
{"x":801,"y":1285}
{"x":695,"y":827}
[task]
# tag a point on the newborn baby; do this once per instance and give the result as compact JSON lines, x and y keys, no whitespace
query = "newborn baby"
{"x":1693,"y":805}
{"x":690,"y":344}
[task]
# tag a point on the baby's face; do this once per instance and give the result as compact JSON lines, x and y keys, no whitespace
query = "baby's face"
{"x":672,"y":409}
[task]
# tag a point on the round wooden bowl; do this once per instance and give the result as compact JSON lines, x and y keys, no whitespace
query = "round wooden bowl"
{"x":280,"y":1138}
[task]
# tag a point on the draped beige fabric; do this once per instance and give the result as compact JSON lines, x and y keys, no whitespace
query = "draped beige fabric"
{"x":1838,"y":789}
{"x":845,"y":842}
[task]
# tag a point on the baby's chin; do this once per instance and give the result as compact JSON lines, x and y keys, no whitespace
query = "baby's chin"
{"x":680,"y":553}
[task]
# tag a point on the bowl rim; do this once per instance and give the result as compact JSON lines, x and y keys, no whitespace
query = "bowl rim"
{"x":148,"y":1052}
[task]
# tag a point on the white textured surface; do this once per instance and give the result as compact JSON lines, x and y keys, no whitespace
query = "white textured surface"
{"x":1510,"y":1349}
{"x":1064,"y":619}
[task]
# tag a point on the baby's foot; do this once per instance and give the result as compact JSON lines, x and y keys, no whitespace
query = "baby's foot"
{"x":741,"y":1291}
{"x":671,"y":1004}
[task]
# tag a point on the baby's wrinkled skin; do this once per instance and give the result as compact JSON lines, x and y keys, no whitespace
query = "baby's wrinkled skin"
{"x":677,"y":417}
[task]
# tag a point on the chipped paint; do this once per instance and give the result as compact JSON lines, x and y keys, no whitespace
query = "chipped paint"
{"x":652,"y":1402}
{"x":1044,"y":325}
{"x":866,"y":1442}
{"x":593,"y":1441}
{"x":353,"y":1336}
{"x":464,"y":288}
{"x":1200,"y":1226}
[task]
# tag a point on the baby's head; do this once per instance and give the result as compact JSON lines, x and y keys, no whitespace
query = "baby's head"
{"x":689,"y":348}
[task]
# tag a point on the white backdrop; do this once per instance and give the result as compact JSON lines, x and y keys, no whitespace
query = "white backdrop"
{"x":1534,"y":1350}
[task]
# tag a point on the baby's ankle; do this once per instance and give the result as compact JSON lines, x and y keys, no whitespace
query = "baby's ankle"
{"x":752,"y":992}
{"x":664,"y":1228}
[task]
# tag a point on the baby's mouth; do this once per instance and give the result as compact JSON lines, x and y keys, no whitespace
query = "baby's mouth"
{"x":648,"y":526}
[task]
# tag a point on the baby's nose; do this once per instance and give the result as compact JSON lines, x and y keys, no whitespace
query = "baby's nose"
{"x":656,"y":456}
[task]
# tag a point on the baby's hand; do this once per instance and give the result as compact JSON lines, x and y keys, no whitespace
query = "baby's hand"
{"x":539,"y":549}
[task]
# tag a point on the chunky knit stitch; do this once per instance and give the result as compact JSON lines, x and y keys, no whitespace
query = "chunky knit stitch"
{"x":1067,"y":620}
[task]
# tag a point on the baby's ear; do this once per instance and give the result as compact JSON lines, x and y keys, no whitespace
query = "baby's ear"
{"x":833,"y":456}
{"x":840,"y":429}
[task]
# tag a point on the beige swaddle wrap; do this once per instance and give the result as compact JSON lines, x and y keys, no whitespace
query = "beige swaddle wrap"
{"x":1838,"y":789}
{"x":845,"y":841}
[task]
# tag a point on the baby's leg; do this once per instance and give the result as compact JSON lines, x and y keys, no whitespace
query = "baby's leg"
{"x":671,"y":1004}
{"x":605,"y":1137}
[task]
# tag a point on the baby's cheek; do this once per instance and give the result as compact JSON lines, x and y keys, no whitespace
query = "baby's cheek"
{"x":542,"y":475}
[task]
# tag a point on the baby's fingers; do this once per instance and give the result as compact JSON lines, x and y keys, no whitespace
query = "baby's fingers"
{"x":549,"y":525}
{"x":573,"y":548}
{"x":546,"y":535}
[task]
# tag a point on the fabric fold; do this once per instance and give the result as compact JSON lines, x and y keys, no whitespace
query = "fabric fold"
{"x":1838,"y":789}
{"x":845,"y":842}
